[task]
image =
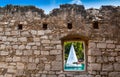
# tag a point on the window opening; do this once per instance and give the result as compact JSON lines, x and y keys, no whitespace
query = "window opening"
{"x":20,"y":26}
{"x":45,"y":26}
{"x":95,"y":25}
{"x":69,"y":25}
{"x":74,"y":56}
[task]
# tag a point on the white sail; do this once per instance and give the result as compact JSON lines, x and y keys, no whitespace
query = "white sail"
{"x":72,"y":56}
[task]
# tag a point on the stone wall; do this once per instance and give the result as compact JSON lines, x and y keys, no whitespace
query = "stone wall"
{"x":35,"y":52}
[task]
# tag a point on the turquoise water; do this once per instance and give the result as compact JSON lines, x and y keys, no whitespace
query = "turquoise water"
{"x":81,"y":68}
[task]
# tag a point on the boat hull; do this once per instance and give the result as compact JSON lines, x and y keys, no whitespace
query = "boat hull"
{"x":73,"y":65}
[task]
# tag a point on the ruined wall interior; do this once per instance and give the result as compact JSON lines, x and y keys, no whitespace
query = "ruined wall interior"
{"x":27,"y":49}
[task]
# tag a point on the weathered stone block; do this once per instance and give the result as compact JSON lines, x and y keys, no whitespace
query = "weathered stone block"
{"x":3,"y":65}
{"x":92,"y":45}
{"x":109,"y":41}
{"x":22,"y":47}
{"x":55,"y":52}
{"x":101,"y":45}
{"x":51,"y":76}
{"x":31,"y":66}
{"x":33,"y":32}
{"x":20,"y":66}
{"x":27,"y":52}
{"x":56,"y":65}
{"x":107,"y":67}
{"x":91,"y":59}
{"x":19,"y":52}
{"x":117,"y":66}
{"x":15,"y":58}
{"x":44,"y":52}
{"x":4,"y":53}
{"x":41,"y":32}
{"x":110,"y":45}
{"x":95,"y":66}
{"x":94,"y":52}
{"x":118,"y":59}
{"x":36,"y":39}
{"x":22,"y":39}
{"x":36,"y":52}
{"x":59,"y":47}
{"x":45,"y":41}
{"x":114,"y":74}
{"x":47,"y":67}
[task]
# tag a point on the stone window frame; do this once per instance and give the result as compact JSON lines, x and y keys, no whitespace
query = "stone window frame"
{"x":75,"y":37}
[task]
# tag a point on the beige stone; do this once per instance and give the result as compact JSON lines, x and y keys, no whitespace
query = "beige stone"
{"x":45,"y":41}
{"x":41,"y":32}
{"x":15,"y":58}
{"x":95,"y":66}
{"x":107,"y":67}
{"x":110,"y":45}
{"x":20,"y":65}
{"x":44,"y":52}
{"x":101,"y":45}
{"x":117,"y":66}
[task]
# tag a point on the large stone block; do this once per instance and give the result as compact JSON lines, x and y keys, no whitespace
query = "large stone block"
{"x":92,"y":45}
{"x":118,"y":59}
{"x":95,"y":66}
{"x":101,"y":45}
{"x":4,"y":53}
{"x":94,"y":52}
{"x":114,"y":74}
{"x":56,"y":65}
{"x":51,"y":75}
{"x":55,"y":52}
{"x":44,"y":52}
{"x":20,"y":66}
{"x":107,"y":67}
{"x":45,"y":41}
{"x":110,"y":45}
{"x":91,"y":59}
{"x":22,"y":39}
{"x":15,"y":58}
{"x":41,"y":32}
{"x":117,"y":66}
{"x":31,"y":66}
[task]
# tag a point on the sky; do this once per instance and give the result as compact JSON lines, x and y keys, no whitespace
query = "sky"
{"x":48,"y":5}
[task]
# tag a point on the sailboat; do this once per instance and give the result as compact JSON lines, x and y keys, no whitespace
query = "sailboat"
{"x":72,"y":58}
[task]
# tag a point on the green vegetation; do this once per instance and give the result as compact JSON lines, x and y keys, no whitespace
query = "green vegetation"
{"x":78,"y":46}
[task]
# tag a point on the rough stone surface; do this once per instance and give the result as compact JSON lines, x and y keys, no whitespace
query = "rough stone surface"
{"x":36,"y":50}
